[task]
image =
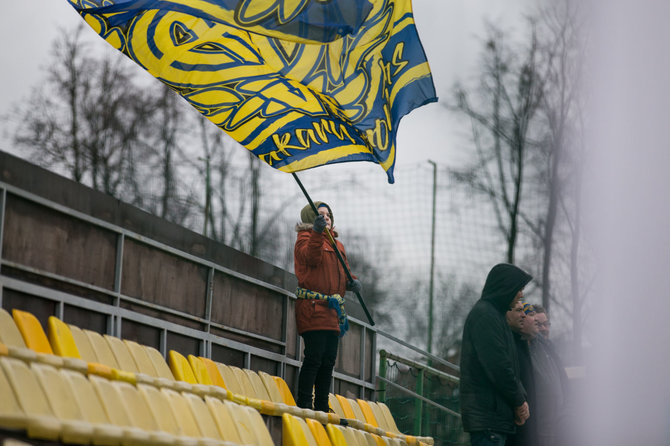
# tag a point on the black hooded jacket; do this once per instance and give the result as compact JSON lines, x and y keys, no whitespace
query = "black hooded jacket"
{"x":490,"y":385}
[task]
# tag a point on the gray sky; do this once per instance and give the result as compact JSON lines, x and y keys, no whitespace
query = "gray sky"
{"x":449,"y":30}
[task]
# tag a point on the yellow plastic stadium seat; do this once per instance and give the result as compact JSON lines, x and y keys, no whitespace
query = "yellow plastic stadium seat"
{"x":141,"y":358}
{"x":185,"y":419}
{"x":203,"y":417}
{"x":293,"y":433}
{"x":140,"y":415}
{"x":161,"y":408}
{"x":32,"y":332}
{"x":367,"y":412}
{"x":334,"y":404}
{"x":257,"y":383}
{"x":379,"y":440}
{"x":311,"y":441}
{"x":123,"y":357}
{"x":243,"y":379}
{"x":83,"y":344}
{"x":336,"y":436}
{"x":318,"y":432}
{"x":353,"y":439}
{"x":214,"y":372}
{"x":180,"y":367}
{"x":230,"y":378}
{"x":375,"y":439}
{"x":9,"y":332}
{"x":11,"y":414}
{"x":285,"y":391}
{"x":364,"y":438}
{"x":346,"y":407}
{"x":200,"y":371}
{"x":161,"y":366}
{"x":40,"y":422}
{"x":224,"y":419}
{"x":356,"y":408}
{"x":379,"y":416}
{"x":271,"y":387}
{"x":258,"y":425}
{"x":115,"y":409}
{"x":74,"y":428}
{"x":243,"y":423}
{"x":386,"y":413}
{"x":102,"y":350}
{"x":61,"y":339}
{"x":104,"y":433}
{"x":15,"y":346}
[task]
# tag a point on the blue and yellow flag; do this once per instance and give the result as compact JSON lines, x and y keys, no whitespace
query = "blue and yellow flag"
{"x":300,"y":83}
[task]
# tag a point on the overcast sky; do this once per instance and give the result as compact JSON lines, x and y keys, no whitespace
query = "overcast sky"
{"x":449,"y":29}
{"x":631,"y":393}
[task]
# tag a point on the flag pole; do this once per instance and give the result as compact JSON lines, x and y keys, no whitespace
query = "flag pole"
{"x":337,"y":251}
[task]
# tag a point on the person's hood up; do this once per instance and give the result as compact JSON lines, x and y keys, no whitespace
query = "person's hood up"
{"x":307,"y":214}
{"x":503,"y":283}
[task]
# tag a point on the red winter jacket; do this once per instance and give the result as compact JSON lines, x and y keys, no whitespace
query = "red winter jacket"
{"x":317,"y":269}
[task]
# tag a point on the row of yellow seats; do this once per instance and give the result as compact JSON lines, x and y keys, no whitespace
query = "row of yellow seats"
{"x":376,"y":414}
{"x":145,"y":363}
{"x":372,"y":417}
{"x":256,"y":390}
{"x":64,"y":404}
{"x":308,"y":432}
{"x":118,"y":359}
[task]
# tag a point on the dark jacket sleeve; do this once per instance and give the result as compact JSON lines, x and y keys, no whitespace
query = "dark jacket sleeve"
{"x":490,"y":343}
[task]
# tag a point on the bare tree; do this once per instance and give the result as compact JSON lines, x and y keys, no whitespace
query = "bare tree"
{"x":254,"y":182}
{"x":49,"y":127}
{"x":458,"y":299}
{"x":527,"y":126}
{"x":169,"y":117}
{"x":88,"y":119}
{"x":502,"y":110}
{"x":377,"y":276}
{"x":564,"y":45}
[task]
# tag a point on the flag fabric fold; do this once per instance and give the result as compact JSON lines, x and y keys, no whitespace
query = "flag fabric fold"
{"x":299,"y":83}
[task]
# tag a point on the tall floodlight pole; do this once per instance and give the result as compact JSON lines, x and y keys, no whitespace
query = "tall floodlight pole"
{"x":431,"y":290}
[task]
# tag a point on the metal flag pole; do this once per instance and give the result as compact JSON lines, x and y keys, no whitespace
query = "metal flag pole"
{"x":337,"y":251}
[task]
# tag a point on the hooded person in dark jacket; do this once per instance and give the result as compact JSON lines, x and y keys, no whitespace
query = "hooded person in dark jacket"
{"x":493,"y":400}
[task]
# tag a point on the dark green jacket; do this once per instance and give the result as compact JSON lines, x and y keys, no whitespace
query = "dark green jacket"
{"x":490,"y":385}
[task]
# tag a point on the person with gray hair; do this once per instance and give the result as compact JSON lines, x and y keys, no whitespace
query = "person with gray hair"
{"x":542,"y":321}
{"x":550,"y":384}
{"x":526,"y":435}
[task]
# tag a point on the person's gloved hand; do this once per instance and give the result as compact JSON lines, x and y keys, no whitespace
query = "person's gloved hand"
{"x":319,"y":223}
{"x":355,"y":286}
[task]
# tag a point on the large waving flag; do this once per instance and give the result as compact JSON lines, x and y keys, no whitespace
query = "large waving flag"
{"x":300,"y":83}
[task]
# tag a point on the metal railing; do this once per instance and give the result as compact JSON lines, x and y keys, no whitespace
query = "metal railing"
{"x":422,"y":398}
{"x":116,"y":313}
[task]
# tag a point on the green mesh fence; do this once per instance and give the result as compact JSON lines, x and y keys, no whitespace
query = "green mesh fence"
{"x":423,"y":400}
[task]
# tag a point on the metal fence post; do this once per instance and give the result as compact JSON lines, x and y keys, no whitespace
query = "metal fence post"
{"x":418,"y":410}
{"x":381,"y":393}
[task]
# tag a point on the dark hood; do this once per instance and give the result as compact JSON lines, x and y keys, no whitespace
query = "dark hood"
{"x":503,"y":283}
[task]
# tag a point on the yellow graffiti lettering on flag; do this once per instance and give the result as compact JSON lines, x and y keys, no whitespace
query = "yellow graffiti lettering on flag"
{"x":299,"y":83}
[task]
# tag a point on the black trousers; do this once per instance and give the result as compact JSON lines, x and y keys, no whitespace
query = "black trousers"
{"x":317,"y":368}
